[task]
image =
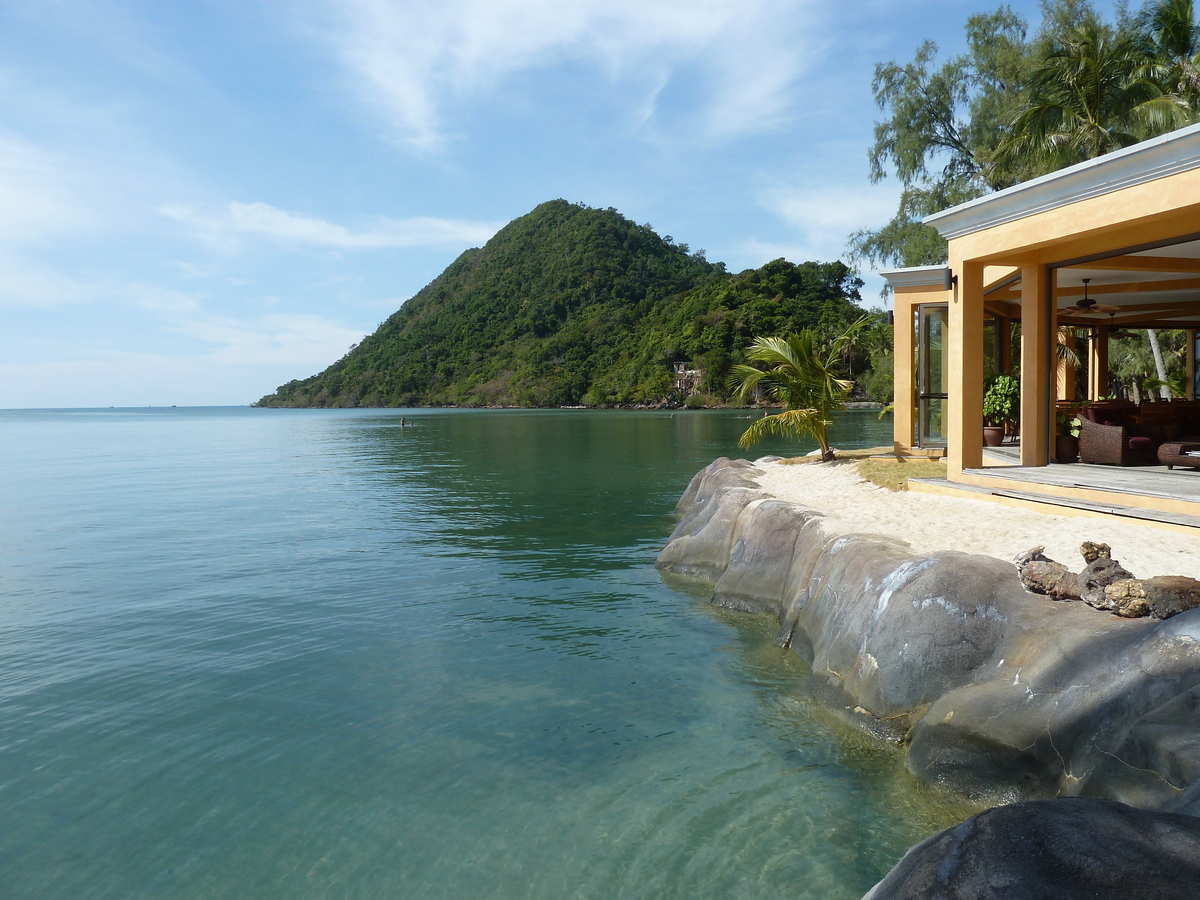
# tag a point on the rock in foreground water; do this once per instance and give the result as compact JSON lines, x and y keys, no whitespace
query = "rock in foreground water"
{"x":1066,"y":849}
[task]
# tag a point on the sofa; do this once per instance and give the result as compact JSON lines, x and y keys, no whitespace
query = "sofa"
{"x":1122,"y":433}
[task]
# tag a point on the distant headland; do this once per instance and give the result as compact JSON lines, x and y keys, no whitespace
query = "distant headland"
{"x":571,"y":305}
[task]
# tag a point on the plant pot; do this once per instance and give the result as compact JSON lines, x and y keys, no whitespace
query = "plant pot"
{"x":993,"y":435}
{"x":1066,"y":448}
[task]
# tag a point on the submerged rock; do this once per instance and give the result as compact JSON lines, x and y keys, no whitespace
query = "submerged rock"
{"x":707,"y":512}
{"x":1063,"y":849}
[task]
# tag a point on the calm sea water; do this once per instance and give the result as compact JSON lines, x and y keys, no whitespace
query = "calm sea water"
{"x":312,"y":654}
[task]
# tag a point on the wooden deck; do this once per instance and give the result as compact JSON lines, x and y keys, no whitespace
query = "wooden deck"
{"x":1145,"y":481}
{"x":1171,"y":497}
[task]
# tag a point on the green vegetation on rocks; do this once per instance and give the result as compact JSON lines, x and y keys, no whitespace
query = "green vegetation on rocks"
{"x":571,"y":304}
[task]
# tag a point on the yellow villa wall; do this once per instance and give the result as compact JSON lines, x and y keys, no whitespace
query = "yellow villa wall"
{"x":1156,"y":211}
{"x":1160,"y":211}
{"x":1146,"y":213}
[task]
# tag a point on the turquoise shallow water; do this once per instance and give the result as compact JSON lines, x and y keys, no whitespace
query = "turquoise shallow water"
{"x":311,"y":654}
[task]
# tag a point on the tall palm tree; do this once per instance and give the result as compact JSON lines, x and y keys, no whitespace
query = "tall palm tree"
{"x":1175,"y":41}
{"x":802,"y":376}
{"x":1095,"y":91}
{"x":1160,"y":368}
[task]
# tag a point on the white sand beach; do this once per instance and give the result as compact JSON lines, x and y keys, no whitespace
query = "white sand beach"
{"x":927,"y":522}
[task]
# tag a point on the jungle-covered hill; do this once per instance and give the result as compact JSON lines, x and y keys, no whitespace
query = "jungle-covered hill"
{"x":570,"y":305}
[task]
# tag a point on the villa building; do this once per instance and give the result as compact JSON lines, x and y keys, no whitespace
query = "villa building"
{"x":1105,"y":246}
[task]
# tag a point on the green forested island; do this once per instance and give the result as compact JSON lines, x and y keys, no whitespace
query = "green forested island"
{"x":574,"y":305}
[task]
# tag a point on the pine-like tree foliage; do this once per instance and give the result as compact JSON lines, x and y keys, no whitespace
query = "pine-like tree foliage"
{"x":572,"y":304}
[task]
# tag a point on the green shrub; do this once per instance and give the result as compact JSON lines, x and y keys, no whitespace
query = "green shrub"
{"x":1002,"y":400}
{"x":879,"y":383}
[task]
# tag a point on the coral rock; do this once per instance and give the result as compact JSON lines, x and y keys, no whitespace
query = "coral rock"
{"x":1042,"y":575}
{"x":1161,"y":597}
{"x":1095,"y":579}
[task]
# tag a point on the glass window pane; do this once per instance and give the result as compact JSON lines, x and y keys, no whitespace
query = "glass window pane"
{"x":931,"y":367}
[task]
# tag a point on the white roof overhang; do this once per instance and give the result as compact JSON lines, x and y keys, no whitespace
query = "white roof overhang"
{"x":1168,"y":154}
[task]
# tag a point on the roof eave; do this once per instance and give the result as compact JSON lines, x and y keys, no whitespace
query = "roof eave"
{"x":1168,"y":154}
{"x":917,"y":276}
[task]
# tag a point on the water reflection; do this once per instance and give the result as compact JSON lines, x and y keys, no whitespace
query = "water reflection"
{"x":267,"y":654}
{"x":522,"y":481}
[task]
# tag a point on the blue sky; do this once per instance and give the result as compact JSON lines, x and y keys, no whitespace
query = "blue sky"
{"x":202,"y":200}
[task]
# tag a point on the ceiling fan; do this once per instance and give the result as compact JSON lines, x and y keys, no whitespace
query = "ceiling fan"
{"x":1087,"y":305}
{"x":1114,"y":330}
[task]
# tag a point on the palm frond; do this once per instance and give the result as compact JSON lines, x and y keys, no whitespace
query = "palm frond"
{"x":795,"y":423}
{"x":742,"y":380}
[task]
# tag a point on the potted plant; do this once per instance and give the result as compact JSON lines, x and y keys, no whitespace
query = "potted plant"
{"x":1001,"y":403}
{"x":1066,"y":433}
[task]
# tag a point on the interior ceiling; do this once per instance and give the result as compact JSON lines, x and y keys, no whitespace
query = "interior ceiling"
{"x":1157,"y":288}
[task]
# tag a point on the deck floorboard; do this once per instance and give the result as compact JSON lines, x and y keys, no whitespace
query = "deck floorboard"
{"x":1147,"y":481}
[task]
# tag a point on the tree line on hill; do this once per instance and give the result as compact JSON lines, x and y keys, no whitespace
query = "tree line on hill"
{"x":571,"y":305}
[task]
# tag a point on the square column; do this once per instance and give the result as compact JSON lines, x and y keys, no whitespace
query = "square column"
{"x":1037,"y":365}
{"x":964,"y":375}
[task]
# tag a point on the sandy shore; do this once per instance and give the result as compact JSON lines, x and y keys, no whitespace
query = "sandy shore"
{"x":931,"y":523}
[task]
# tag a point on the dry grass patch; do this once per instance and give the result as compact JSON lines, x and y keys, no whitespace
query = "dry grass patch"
{"x":893,"y":473}
{"x":879,"y":465}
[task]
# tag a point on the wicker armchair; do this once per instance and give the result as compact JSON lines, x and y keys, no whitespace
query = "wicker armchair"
{"x":1116,"y":445}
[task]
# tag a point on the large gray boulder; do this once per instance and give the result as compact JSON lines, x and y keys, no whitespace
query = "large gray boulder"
{"x":1079,"y":703}
{"x":998,"y":693}
{"x":1053,"y":850}
{"x":707,"y":513}
{"x":760,"y":556}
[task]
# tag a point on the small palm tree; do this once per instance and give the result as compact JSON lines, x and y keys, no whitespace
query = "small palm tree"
{"x":802,"y":376}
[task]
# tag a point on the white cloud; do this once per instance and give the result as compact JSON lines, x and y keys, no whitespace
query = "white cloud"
{"x":817,"y":222}
{"x":830,"y":212}
{"x":34,"y":285}
{"x":39,"y":195}
{"x":820,"y":218}
{"x":413,"y":58}
{"x":264,"y":220}
{"x":30,"y":284}
{"x":304,"y":341}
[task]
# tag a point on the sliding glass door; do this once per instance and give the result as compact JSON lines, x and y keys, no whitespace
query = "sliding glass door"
{"x":931,"y":367}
